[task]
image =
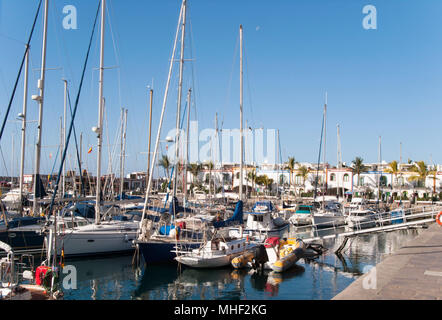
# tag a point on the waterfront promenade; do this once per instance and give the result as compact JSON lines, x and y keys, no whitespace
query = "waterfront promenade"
{"x":413,"y":272}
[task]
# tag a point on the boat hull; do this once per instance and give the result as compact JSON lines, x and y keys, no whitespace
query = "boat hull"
{"x":162,"y":251}
{"x":325,"y":221}
{"x":23,"y":240}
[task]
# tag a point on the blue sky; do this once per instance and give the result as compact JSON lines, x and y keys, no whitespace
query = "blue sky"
{"x":385,"y":82}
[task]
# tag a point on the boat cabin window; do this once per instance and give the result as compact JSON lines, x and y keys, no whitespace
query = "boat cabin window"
{"x":258,"y":218}
{"x":215,"y":245}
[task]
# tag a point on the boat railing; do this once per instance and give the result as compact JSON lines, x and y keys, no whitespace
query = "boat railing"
{"x":395,"y":218}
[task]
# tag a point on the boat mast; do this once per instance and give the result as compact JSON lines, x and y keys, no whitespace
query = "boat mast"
{"x":64,"y":136}
{"x":324,"y":183}
{"x":124,"y":151}
{"x":99,"y":130}
{"x":150,"y":134}
{"x":178,"y":114}
{"x":379,"y":168}
{"x":277,"y":163}
{"x":240,"y":109}
{"x":400,"y":171}
{"x":163,"y":109}
{"x":121,"y":153}
{"x":338,"y":163}
{"x":187,"y":145}
{"x":23,"y":128}
{"x":12,"y":162}
{"x":40,"y":99}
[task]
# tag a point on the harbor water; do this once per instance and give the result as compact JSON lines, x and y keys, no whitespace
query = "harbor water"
{"x":114,"y":278}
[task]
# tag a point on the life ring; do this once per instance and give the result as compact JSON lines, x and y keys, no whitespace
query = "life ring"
{"x":439,"y":218}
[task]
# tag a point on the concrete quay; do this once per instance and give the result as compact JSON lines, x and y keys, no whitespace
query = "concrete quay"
{"x":414,"y":272}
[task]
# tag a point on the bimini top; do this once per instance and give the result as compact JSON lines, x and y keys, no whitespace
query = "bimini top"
{"x":236,"y":219}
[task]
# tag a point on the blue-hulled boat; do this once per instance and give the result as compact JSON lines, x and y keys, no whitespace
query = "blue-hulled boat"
{"x":23,"y":234}
{"x":161,"y":247}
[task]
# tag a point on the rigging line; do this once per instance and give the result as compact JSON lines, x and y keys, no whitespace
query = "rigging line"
{"x":63,"y":45}
{"x":76,"y":145}
{"x":248,"y":86}
{"x":4,"y":162}
{"x":116,"y":53}
{"x":75,"y":110}
{"x":319,"y":158}
{"x":235,"y":54}
{"x":193,"y":67}
{"x":55,"y":30}
{"x":19,"y":71}
{"x":55,"y":162}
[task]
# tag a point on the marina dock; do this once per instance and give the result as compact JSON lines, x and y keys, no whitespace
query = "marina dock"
{"x":413,"y":272}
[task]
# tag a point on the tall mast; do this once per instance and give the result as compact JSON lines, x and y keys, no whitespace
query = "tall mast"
{"x":277,"y":162}
{"x":100,"y":115}
{"x":187,"y":144}
{"x":180,"y":91}
{"x":64,"y":135}
{"x":400,"y":171}
{"x":23,"y":128}
{"x":40,"y":99}
{"x":340,"y":157}
{"x":240,"y":109}
{"x":338,"y":162}
{"x":81,"y":173}
{"x":163,"y":109}
{"x":121,"y":154}
{"x":324,"y":183}
{"x":379,"y":168}
{"x":124,"y":153}
{"x":150,"y":134}
{"x":12,"y":162}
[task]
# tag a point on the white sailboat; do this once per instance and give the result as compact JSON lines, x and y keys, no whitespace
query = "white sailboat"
{"x":218,"y":252}
{"x":330,"y":214}
{"x":101,"y":237}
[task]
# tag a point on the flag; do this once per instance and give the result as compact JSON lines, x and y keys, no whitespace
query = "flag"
{"x":90,"y":150}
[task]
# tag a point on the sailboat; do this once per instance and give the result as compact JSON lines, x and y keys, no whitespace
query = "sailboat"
{"x":330,"y":214}
{"x":101,"y":237}
{"x":159,"y":243}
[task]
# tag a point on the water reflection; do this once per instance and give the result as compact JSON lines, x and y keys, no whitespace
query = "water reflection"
{"x":322,"y":278}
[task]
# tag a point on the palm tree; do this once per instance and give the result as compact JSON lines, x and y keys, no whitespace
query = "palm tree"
{"x":303,"y":172}
{"x":421,"y":172}
{"x":393,"y":168}
{"x":290,"y":166}
{"x":195,"y":169}
{"x":251,"y":176}
{"x":165,"y":163}
{"x":358,"y":167}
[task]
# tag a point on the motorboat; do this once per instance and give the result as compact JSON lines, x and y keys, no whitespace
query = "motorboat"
{"x":261,"y":223}
{"x":361,"y":219}
{"x":329,"y":216}
{"x":301,"y":215}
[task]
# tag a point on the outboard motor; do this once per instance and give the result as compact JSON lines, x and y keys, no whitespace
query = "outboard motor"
{"x":260,"y":258}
